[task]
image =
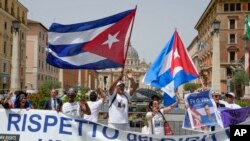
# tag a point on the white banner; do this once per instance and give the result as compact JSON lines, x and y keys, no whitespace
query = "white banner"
{"x":44,"y":125}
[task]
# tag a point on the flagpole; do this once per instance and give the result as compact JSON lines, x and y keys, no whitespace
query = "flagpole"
{"x":202,"y":84}
{"x":128,"y":43}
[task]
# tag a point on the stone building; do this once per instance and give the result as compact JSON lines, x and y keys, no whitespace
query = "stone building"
{"x":221,"y":51}
{"x":12,"y":44}
{"x":133,"y":63}
{"x":37,"y":70}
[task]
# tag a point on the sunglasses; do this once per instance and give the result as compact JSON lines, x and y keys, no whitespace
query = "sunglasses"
{"x":121,"y":86}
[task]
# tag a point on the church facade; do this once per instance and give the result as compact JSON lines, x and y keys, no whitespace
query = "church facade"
{"x":133,"y":64}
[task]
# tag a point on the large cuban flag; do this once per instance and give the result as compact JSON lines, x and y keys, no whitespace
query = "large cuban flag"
{"x":172,"y":68}
{"x":98,"y":44}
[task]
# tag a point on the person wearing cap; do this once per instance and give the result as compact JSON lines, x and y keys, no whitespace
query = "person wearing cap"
{"x":119,"y":102}
{"x":95,"y":104}
{"x":216,"y":97}
{"x":75,"y":108}
{"x":53,"y":103}
{"x":230,"y":101}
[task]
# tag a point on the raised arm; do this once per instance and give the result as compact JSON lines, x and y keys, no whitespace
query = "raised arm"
{"x":84,"y":107}
{"x":133,"y":85}
{"x":101,"y":94}
{"x":113,"y":86}
{"x":169,"y":108}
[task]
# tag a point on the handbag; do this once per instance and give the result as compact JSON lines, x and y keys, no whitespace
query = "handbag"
{"x":167,"y":129}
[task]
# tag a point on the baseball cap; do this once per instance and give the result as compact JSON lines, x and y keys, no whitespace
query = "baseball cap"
{"x":71,"y":91}
{"x":216,"y":93}
{"x":120,"y":83}
{"x":231,"y":93}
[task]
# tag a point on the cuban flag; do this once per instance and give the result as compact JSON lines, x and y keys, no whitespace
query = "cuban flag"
{"x":172,"y":68}
{"x":98,"y":44}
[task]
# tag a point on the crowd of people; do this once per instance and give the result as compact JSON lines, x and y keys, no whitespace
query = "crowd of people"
{"x":118,"y":102}
{"x":118,"y":106}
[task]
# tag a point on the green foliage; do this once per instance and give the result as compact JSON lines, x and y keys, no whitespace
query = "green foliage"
{"x":191,"y":87}
{"x":38,"y":100}
{"x":243,"y":102}
{"x":240,"y":77}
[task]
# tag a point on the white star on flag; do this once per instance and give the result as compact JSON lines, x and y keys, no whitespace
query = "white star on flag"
{"x":111,"y":39}
{"x":176,"y":54}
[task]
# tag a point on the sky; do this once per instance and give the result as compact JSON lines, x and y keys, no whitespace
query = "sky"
{"x":155,"y":20}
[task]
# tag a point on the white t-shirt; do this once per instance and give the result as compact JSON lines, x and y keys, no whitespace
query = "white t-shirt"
{"x":72,"y":109}
{"x":118,"y":112}
{"x":145,"y":130}
{"x":232,"y":106}
{"x":157,"y":123}
{"x":94,"y":107}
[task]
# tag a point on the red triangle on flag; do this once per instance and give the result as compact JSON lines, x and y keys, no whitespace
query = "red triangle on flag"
{"x":110,"y":43}
{"x":180,"y":57}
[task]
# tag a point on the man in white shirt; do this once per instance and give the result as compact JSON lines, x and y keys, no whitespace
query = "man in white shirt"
{"x":119,"y":102}
{"x":75,"y":108}
{"x":95,"y":105}
{"x":230,"y":101}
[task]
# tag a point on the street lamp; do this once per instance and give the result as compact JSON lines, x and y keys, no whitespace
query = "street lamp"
{"x":216,"y":26}
{"x":15,"y":60}
{"x":16,"y":25}
{"x":216,"y":56}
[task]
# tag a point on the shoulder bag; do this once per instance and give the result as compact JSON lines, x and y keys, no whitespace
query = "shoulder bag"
{"x":166,"y":126}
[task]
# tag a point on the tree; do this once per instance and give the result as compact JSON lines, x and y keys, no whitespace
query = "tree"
{"x":38,"y":100}
{"x":191,"y":87}
{"x":240,"y":79}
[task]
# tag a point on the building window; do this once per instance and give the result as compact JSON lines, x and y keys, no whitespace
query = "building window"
{"x":232,"y":24}
{"x":226,"y":7}
{"x":11,"y":50}
{"x":238,"y":6}
{"x":6,"y":5}
{"x":232,"y":7}
{"x":232,"y":38}
{"x":22,"y":36}
{"x":232,"y":57}
{"x":22,"y":72}
{"x":4,"y":47}
{"x":5,"y":26}
{"x":4,"y":67}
